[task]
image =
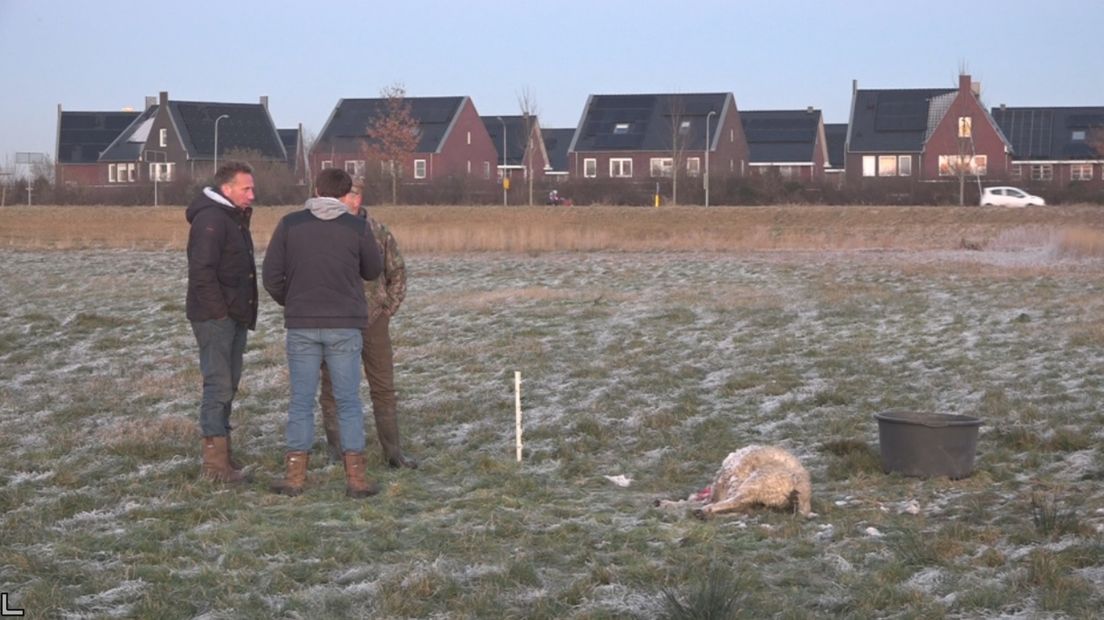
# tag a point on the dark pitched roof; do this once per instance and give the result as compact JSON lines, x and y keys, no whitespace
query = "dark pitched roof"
{"x":781,"y":135}
{"x":516,"y":137}
{"x":644,"y":122}
{"x":346,"y":129}
{"x":896,"y":120}
{"x":129,"y":144}
{"x":248,"y":126}
{"x":82,"y":136}
{"x":556,"y":142}
{"x":836,"y":136}
{"x":1051,"y":133}
{"x":290,"y":139}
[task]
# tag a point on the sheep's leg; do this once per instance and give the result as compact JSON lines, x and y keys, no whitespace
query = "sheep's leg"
{"x":737,"y":503}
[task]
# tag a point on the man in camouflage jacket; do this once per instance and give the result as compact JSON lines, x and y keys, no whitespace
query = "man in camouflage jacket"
{"x":384,"y":295}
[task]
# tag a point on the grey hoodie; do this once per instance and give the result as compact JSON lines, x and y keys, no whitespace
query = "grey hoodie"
{"x":316,"y":265}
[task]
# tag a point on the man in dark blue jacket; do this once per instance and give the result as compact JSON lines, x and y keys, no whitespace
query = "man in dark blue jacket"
{"x":315,"y":267}
{"x":221,"y":305}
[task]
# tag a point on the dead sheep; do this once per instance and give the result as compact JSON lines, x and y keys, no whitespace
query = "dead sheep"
{"x":753,"y":476}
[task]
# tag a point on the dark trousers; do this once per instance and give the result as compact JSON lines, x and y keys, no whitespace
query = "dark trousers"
{"x":221,"y":347}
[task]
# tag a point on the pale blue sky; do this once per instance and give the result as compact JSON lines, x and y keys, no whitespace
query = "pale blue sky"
{"x":108,"y":54}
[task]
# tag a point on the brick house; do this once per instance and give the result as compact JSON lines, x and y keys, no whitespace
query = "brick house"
{"x":81,"y":138}
{"x":522,"y":155}
{"x":176,"y":139}
{"x":452,"y":139}
{"x":556,"y":142}
{"x":900,"y":137}
{"x":638,"y":138}
{"x":836,"y":136}
{"x":1055,"y":147}
{"x":790,"y":143}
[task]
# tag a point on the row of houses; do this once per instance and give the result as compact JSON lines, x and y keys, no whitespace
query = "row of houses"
{"x":894,"y":139}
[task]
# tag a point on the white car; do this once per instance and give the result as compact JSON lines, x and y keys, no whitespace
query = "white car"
{"x":1009,"y":197}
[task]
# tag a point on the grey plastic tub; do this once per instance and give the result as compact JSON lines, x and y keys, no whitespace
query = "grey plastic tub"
{"x":927,"y":445}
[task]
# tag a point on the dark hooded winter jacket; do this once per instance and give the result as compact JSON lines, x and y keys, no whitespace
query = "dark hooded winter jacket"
{"x":222,"y":275}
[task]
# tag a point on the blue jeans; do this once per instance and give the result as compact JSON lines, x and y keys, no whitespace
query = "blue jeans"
{"x":221,"y":346}
{"x":340,"y":349}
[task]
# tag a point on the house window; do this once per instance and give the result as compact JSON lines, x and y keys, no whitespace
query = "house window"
{"x":693,"y":166}
{"x":621,"y":167}
{"x":111,"y":173}
{"x":731,"y":135}
{"x":1042,"y":172}
{"x":965,"y":127}
{"x":355,"y":167}
{"x":162,"y":172}
{"x":904,"y":165}
{"x":131,"y":170}
{"x":869,"y":165}
{"x":684,"y":127}
{"x":486,"y":170}
{"x":1017,"y":171}
{"x":469,"y":166}
{"x":887,"y":165}
{"x":163,"y":138}
{"x":327,"y":163}
{"x":952,"y":165}
{"x":590,"y":168}
{"x":469,"y":137}
{"x":621,"y":128}
{"x":1078,"y":135}
{"x":659,"y":167}
{"x":786,"y":172}
{"x":1081,"y":172}
{"x":419,"y":168}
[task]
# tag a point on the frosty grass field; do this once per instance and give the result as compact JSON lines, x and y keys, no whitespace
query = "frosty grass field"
{"x":653,"y":366}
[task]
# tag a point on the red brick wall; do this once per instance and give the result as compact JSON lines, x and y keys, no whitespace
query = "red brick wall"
{"x":944,"y":140}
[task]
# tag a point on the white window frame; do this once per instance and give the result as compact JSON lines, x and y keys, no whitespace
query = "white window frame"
{"x":163,"y":138}
{"x":1016,"y":172}
{"x":1078,"y":135}
{"x":590,"y":168}
{"x":327,"y":164}
{"x":659,"y":167}
{"x":162,"y":172}
{"x":869,"y":166}
{"x":965,"y":127}
{"x":469,"y":137}
{"x":621,"y":167}
{"x":1042,"y":172}
{"x":357,"y":168}
{"x":419,"y":163}
{"x":693,"y":166}
{"x":620,"y":129}
{"x":904,"y":165}
{"x":469,"y":167}
{"x":684,"y":127}
{"x":887,"y":165}
{"x":1081,"y":172}
{"x":111,"y":173}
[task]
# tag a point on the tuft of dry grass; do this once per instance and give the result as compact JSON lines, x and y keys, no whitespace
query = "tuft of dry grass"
{"x":433,"y":229}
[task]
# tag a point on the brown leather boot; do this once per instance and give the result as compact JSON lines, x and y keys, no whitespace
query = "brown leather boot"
{"x":387,"y":429}
{"x":296,"y":475}
{"x":356,"y":484}
{"x":216,"y":461}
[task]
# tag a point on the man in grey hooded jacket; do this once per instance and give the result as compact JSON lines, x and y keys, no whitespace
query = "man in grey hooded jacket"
{"x":315,"y":267}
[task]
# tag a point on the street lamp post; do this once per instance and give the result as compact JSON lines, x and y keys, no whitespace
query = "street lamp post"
{"x":706,"y":175}
{"x":159,"y":157}
{"x":216,"y":139}
{"x":505,"y":183}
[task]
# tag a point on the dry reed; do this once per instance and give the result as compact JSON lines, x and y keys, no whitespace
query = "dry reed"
{"x":424,"y":229}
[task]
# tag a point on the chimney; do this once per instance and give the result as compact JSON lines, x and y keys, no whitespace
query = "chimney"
{"x":854,"y":87}
{"x":264,"y":101}
{"x":964,"y":83}
{"x":150,"y":102}
{"x":164,"y":98}
{"x":809,"y":110}
{"x":975,"y":87}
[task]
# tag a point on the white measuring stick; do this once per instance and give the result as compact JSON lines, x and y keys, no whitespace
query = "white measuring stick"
{"x":517,"y":407}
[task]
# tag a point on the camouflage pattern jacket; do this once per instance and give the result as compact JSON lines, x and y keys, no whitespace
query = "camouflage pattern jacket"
{"x":385,"y":293}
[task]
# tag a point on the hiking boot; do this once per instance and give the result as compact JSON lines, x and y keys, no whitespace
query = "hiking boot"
{"x":356,"y":484}
{"x":216,"y":461}
{"x":296,"y":475}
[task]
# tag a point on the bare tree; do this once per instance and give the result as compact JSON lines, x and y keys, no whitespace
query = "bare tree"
{"x":528,"y":104}
{"x":680,"y":135}
{"x":393,"y":135}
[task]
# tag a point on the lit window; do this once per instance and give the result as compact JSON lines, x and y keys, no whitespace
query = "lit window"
{"x":621,"y":128}
{"x":980,"y":165}
{"x":660,"y":167}
{"x":469,"y":166}
{"x":1081,"y":172}
{"x":590,"y":168}
{"x":419,"y":168}
{"x":163,"y":138}
{"x":869,"y":165}
{"x":952,"y":165}
{"x":469,"y":137}
{"x":965,"y":126}
{"x":693,"y":166}
{"x":904,"y":166}
{"x":731,"y":135}
{"x":621,"y":167}
{"x":887,"y":165}
{"x":111,"y":173}
{"x":131,"y":169}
